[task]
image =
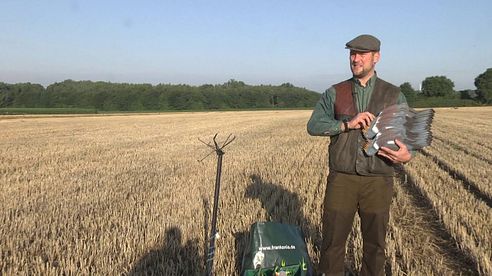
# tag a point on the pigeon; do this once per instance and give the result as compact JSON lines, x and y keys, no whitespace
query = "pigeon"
{"x":399,"y":121}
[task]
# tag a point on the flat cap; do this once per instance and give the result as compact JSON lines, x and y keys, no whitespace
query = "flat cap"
{"x":364,"y":43}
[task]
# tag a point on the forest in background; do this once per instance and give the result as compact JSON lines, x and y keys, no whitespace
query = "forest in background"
{"x":106,"y":96}
{"x":99,"y":96}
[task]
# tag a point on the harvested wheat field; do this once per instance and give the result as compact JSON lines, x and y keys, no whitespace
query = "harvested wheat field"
{"x":112,"y":195}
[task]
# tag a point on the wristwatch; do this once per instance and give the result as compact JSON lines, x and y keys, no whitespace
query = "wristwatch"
{"x":345,"y":126}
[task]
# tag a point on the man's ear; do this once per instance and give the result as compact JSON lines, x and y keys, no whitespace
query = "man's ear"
{"x":377,"y":56}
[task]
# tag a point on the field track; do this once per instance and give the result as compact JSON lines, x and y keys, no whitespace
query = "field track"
{"x":112,"y":195}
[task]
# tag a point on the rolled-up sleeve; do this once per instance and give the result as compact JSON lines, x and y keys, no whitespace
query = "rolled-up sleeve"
{"x":322,"y":121}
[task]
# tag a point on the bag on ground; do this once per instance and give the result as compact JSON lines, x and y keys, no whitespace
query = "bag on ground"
{"x":276,"y":249}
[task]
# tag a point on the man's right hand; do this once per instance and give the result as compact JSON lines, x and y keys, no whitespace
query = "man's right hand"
{"x":361,"y":120}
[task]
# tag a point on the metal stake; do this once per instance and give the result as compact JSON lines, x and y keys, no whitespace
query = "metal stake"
{"x":214,"y":233}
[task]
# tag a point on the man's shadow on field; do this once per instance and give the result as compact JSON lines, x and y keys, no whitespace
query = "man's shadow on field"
{"x":174,"y":258}
{"x":282,"y":206}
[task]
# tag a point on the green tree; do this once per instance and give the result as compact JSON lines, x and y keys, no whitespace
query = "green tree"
{"x":483,"y":82}
{"x":438,"y":86}
{"x":468,"y":94}
{"x":407,"y":90}
{"x":234,"y":83}
{"x":27,"y":94}
{"x":6,"y":95}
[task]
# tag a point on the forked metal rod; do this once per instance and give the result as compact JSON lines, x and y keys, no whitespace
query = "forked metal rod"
{"x":214,"y":233}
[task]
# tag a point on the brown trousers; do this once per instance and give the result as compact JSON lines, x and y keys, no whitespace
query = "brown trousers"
{"x":346,"y":194}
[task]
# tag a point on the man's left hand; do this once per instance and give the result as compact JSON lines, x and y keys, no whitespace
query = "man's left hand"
{"x":402,"y":155}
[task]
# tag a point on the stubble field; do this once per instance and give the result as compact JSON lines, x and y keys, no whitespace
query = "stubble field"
{"x":113,"y":195}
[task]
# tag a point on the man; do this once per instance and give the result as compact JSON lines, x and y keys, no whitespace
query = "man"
{"x":356,"y":182}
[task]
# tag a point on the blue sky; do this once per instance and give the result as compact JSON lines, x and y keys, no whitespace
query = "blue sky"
{"x":258,"y":42}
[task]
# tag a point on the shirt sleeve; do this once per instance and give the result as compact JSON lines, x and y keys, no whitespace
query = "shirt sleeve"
{"x":322,"y":121}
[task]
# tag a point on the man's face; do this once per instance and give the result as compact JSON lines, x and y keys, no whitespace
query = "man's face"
{"x":362,"y":63}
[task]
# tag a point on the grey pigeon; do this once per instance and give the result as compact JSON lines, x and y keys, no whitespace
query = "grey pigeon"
{"x":399,"y":121}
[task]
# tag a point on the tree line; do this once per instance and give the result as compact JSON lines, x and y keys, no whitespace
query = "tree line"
{"x":439,"y":91}
{"x":107,"y":96}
